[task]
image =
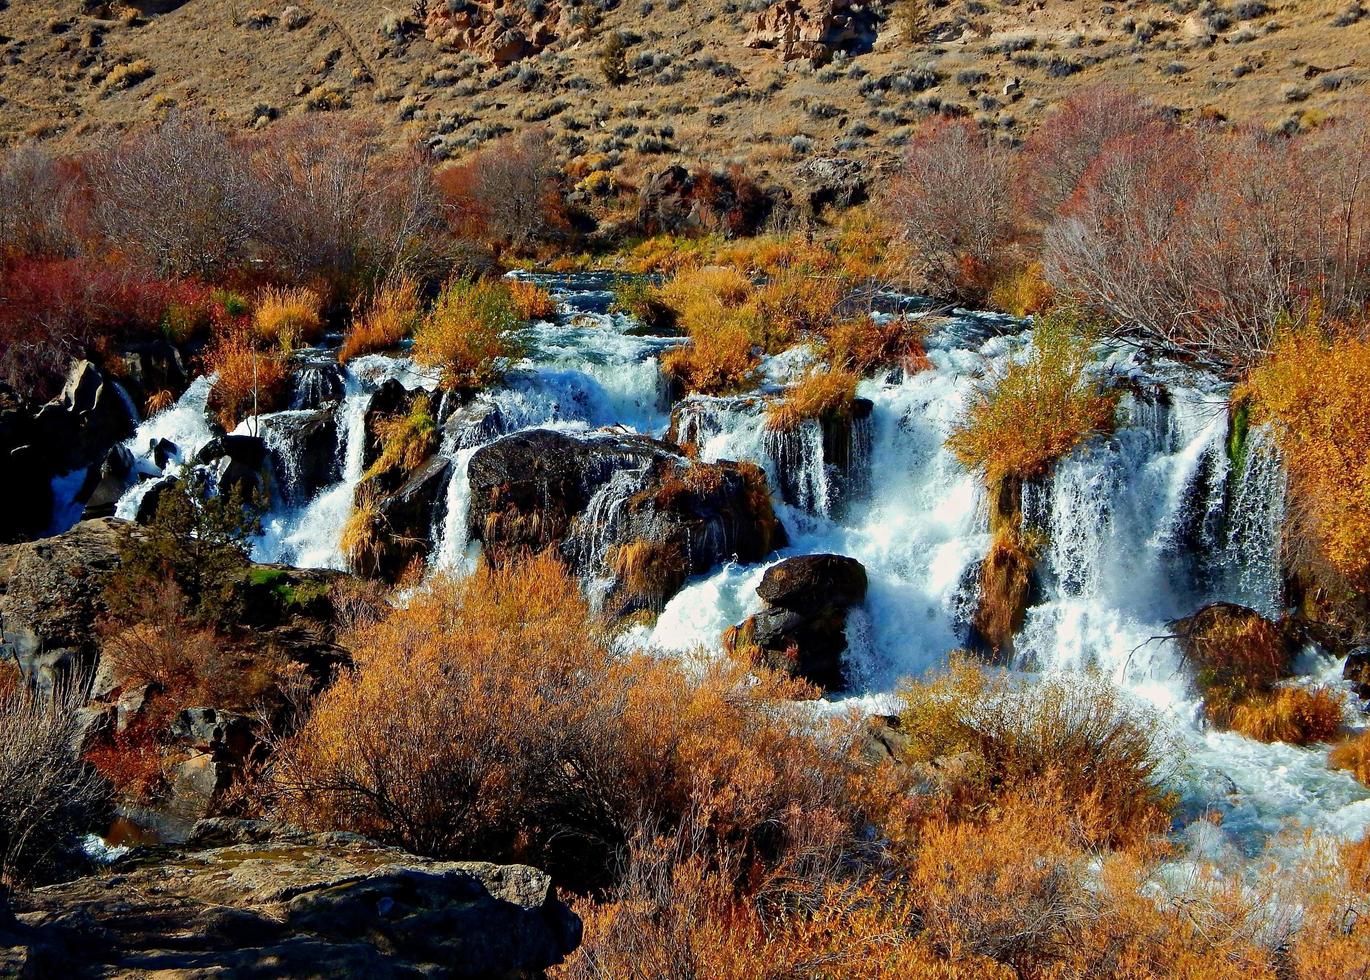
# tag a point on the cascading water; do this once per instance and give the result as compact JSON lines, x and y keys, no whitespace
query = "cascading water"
{"x":175,"y":434}
{"x":1144,"y":526}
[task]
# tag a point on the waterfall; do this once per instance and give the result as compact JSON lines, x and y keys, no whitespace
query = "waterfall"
{"x":180,"y":431}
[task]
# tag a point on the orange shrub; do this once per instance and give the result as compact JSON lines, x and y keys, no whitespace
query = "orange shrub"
{"x":1021,"y":291}
{"x":794,"y":302}
{"x":287,"y":318}
{"x":393,"y":314}
{"x":717,"y":360}
{"x":247,"y":379}
{"x":490,"y":716}
{"x":864,"y":345}
{"x":1295,"y":715}
{"x":531,"y":300}
{"x":468,"y":336}
{"x":1312,"y":390}
{"x":821,"y":394}
{"x":1041,"y":409}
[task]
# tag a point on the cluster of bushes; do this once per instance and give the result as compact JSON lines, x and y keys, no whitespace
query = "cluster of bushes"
{"x":1193,"y":241}
{"x":713,"y":827}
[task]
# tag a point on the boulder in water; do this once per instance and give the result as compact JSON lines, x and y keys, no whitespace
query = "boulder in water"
{"x":304,"y":451}
{"x":801,"y":628}
{"x":389,"y":532}
{"x":115,"y":475}
{"x":316,"y":384}
{"x":626,"y":507}
{"x":239,"y":463}
{"x":1357,"y":671}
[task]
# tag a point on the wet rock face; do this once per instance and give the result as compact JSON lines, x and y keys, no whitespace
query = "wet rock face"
{"x":304,"y":451}
{"x":802,"y":626}
{"x":404,"y":521}
{"x":597,"y":499}
{"x":253,"y":899}
{"x":1357,"y":671}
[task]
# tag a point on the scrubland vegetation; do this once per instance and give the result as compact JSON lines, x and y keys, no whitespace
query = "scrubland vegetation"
{"x":706,"y":822}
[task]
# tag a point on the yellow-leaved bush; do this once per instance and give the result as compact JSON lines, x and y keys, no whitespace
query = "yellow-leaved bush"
{"x":1312,"y":390}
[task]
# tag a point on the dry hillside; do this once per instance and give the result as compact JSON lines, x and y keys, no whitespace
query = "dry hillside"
{"x":853,"y":83}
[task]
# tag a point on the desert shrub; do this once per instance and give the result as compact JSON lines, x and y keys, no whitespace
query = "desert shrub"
{"x":468,"y":335}
{"x":698,"y":295}
{"x":531,"y":300}
{"x":1198,"y":245}
{"x":393,"y":313}
{"x":1103,"y":752}
{"x":491,"y":717}
{"x":822,"y":394}
{"x":347,"y":208}
{"x":951,"y":205}
{"x":795,"y":302}
{"x":1353,"y":755}
{"x":248,"y":381}
{"x":40,"y":192}
{"x":1018,"y":425}
{"x":1235,"y":655}
{"x":1311,"y":391}
{"x":48,"y":796}
{"x":287,"y":318}
{"x":180,"y":196}
{"x":508,"y":193}
{"x":1065,"y":144}
{"x":613,"y":59}
{"x":1295,"y":715}
{"x":864,"y":345}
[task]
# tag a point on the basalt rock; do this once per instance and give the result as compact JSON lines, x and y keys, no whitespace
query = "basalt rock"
{"x":316,"y":383}
{"x":238,"y":463}
{"x":1357,"y":671}
{"x":304,"y":451}
{"x":623,"y":506}
{"x":108,"y":483}
{"x":279,"y":903}
{"x":802,"y":626}
{"x":402,"y":522}
{"x":813,"y":29}
{"x":149,"y":367}
{"x":831,"y":182}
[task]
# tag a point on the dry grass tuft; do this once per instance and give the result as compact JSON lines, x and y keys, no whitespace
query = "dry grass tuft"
{"x":363,"y":537}
{"x":823,"y":394}
{"x":651,"y":571}
{"x":1353,"y":755}
{"x":864,"y":345}
{"x":1005,"y":587}
{"x":531,"y":300}
{"x":1294,"y":715}
{"x":469,"y":334}
{"x":393,"y":314}
{"x":247,"y":380}
{"x":1041,"y":409}
{"x":287,"y":318}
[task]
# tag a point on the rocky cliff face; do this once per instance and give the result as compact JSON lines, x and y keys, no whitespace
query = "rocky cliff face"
{"x":248,"y":899}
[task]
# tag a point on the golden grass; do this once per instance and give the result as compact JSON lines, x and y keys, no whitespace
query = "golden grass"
{"x":363,"y":537}
{"x":650,"y":570}
{"x":406,"y":440}
{"x":1039,"y":410}
{"x":1294,"y":715}
{"x":287,"y":318}
{"x":1005,"y":586}
{"x":468,"y":336}
{"x":393,"y":314}
{"x":1022,"y":291}
{"x":719,"y":359}
{"x":822,"y":394}
{"x":1353,"y":755}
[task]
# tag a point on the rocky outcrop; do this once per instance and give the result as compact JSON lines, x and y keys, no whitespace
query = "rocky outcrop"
{"x":116,"y":473}
{"x":1357,"y":671}
{"x":802,"y":626}
{"x":401,"y":523}
{"x":831,"y":182}
{"x":674,"y":200}
{"x":623,"y":506}
{"x":238,"y":463}
{"x":51,"y":593}
{"x":502,"y":32}
{"x":248,"y":899}
{"x":69,"y":434}
{"x":813,"y":29}
{"x":315,"y":383}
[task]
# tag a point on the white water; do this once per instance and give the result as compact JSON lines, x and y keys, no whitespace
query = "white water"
{"x":1145,"y":527}
{"x":185,"y":425}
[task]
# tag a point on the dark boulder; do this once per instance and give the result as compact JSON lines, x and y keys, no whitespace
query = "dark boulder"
{"x":239,"y":463}
{"x":664,"y":201}
{"x":802,"y":625}
{"x":27,"y":468}
{"x":148,"y":367}
{"x":622,"y":506}
{"x":390,"y":399}
{"x":89,"y":415}
{"x":151,"y":499}
{"x":304,"y":451}
{"x":400,"y":525}
{"x":223,"y":734}
{"x":109,"y":482}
